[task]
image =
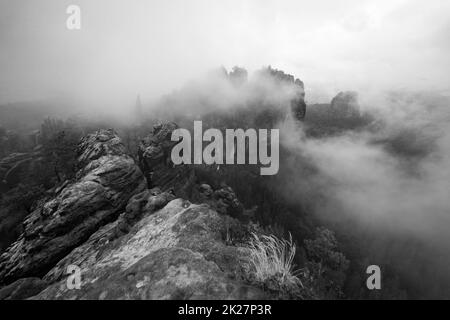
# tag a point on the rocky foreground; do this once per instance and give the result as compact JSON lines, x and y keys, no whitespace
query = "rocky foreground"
{"x":129,"y":241}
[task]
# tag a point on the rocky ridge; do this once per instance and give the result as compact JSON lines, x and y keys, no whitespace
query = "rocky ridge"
{"x":129,"y":241}
{"x":106,"y":179}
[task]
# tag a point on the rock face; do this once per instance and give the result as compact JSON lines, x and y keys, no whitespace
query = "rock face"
{"x":345,"y":105}
{"x":155,"y":160}
{"x":342,"y":114}
{"x":183,"y":180}
{"x":298,"y":105}
{"x":177,"y":252}
{"x":238,"y":76}
{"x":106,"y":180}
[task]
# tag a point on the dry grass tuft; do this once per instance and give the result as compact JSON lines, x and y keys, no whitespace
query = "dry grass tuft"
{"x":271,"y":260}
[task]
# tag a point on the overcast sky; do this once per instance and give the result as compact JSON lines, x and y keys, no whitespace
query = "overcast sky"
{"x":154,"y":46}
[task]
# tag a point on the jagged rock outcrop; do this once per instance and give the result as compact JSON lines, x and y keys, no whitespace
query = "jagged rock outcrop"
{"x":106,"y":180}
{"x":298,"y":105}
{"x":342,"y":114}
{"x":238,"y":76}
{"x":345,"y":105}
{"x":182,"y":180}
{"x":177,"y":252}
{"x":155,"y":159}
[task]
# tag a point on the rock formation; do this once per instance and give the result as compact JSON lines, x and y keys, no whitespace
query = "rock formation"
{"x":106,"y":180}
{"x":238,"y":76}
{"x":345,"y":105}
{"x":177,"y":252}
{"x":183,"y":180}
{"x":341,"y":114}
{"x":298,"y":105}
{"x":155,"y":161}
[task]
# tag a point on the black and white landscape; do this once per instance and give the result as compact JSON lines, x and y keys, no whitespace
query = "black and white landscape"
{"x":93,"y":204}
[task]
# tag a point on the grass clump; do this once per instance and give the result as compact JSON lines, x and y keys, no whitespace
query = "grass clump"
{"x":271,"y":265}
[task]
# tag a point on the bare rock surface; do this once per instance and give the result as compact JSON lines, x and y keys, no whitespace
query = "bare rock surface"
{"x":177,"y":252}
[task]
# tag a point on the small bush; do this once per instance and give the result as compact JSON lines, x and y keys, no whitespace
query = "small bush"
{"x":326,"y":265}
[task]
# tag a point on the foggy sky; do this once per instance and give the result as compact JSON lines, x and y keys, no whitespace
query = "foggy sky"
{"x":152,"y":47}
